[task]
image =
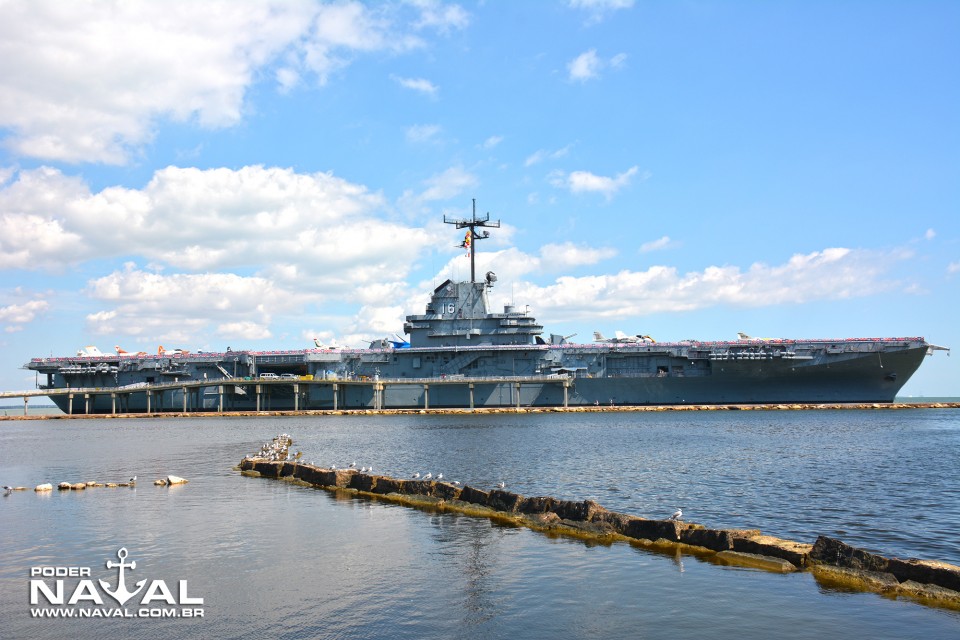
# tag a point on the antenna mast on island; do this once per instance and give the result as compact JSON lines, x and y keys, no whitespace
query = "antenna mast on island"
{"x":469,"y":242}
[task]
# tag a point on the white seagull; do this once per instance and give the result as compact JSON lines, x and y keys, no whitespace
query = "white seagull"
{"x":501,"y":484}
{"x":353,"y":464}
{"x":428,"y":476}
{"x":133,"y":480}
{"x":416,"y":475}
{"x":439,"y":476}
{"x":677,"y":515}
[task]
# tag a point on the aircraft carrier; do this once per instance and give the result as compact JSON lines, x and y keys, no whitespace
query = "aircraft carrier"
{"x":460,"y":354}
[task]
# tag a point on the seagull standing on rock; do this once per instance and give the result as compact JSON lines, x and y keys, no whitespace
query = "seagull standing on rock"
{"x":677,"y":515}
{"x":416,"y":476}
{"x":501,"y":484}
{"x":428,"y":476}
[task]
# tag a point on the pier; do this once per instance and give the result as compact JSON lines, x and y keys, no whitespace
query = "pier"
{"x":194,"y":396}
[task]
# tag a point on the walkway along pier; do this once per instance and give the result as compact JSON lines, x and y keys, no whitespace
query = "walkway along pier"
{"x":221,"y":395}
{"x":831,"y":561}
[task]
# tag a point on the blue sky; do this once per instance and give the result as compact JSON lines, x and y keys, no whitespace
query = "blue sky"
{"x":257,"y":174}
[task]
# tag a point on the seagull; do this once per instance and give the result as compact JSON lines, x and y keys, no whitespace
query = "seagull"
{"x":353,"y":464}
{"x":7,"y":490}
{"x":428,"y":476}
{"x":439,"y":476}
{"x":501,"y":484}
{"x":456,"y":483}
{"x":333,"y":467}
{"x":416,"y":475}
{"x":133,"y":480}
{"x":363,"y":469}
{"x":677,"y":515}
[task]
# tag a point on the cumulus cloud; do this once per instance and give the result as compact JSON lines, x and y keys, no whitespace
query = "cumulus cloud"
{"x":953,"y":267}
{"x":588,"y":65}
{"x":423,"y":132}
{"x":442,"y":186}
{"x":585,"y":181}
{"x":417,"y":84}
{"x":835,"y":273}
{"x":313,"y":229}
{"x":540,"y":155}
{"x":597,"y":10}
{"x":491,"y":142}
{"x":89,"y":82}
{"x":567,"y":255}
{"x":655,"y":245}
{"x":13,"y":317}
{"x":177,"y":307}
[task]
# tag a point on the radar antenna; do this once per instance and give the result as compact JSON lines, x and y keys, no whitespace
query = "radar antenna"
{"x":469,"y":242}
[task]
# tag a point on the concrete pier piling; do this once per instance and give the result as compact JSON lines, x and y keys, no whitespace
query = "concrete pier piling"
{"x":830,"y":561}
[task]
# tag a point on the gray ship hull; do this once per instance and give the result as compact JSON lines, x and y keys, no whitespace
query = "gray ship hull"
{"x":862,"y":378}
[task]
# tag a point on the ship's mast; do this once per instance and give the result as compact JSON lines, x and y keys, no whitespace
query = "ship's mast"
{"x":472,"y":235}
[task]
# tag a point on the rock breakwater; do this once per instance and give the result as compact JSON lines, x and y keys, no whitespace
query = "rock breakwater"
{"x":829,"y":560}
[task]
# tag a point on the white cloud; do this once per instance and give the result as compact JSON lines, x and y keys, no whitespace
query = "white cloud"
{"x":180,"y":306}
{"x":316,"y":229}
{"x":823,"y":275}
{"x":89,"y":82}
{"x":440,"y":15}
{"x":588,"y":65}
{"x":597,"y":10}
{"x":14,"y":316}
{"x":417,"y":84}
{"x":585,"y":67}
{"x":442,"y":186}
{"x":930,"y":234}
{"x":563,"y":256}
{"x":655,"y":245}
{"x":953,"y":267}
{"x":541,"y":155}
{"x":491,"y":142}
{"x":584,"y":181}
{"x":423,"y":132}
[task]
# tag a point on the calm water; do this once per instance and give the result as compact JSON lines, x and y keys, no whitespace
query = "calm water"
{"x":275,"y":560}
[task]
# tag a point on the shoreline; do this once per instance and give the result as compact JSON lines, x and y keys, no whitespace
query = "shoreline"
{"x":495,"y":410}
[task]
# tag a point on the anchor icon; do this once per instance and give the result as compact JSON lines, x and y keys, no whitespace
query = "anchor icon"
{"x":121,"y":594}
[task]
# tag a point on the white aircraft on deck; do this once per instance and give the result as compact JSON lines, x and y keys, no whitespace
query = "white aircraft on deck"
{"x":622,"y":338}
{"x":171,"y":352}
{"x":333,"y":344}
{"x":126,"y":354}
